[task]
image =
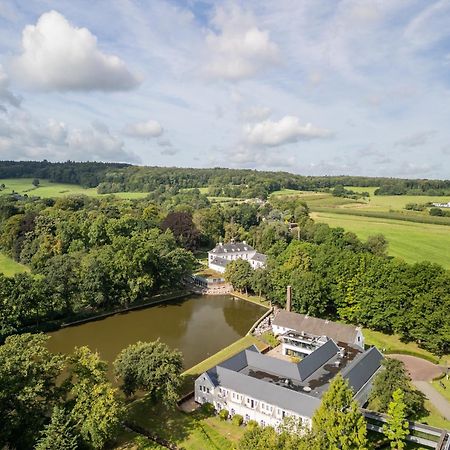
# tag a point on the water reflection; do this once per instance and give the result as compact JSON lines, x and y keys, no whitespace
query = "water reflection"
{"x":198,"y":326}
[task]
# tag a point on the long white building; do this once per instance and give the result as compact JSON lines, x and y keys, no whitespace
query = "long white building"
{"x":223,"y":254}
{"x":267,"y":389}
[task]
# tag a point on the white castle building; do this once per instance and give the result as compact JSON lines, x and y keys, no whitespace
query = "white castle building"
{"x":222,"y":254}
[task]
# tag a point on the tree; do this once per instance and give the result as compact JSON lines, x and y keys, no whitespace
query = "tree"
{"x":183,"y":228}
{"x":96,"y":410}
{"x":338,"y":423}
{"x":28,"y":374}
{"x":377,"y":244}
{"x":59,"y":434}
{"x":152,"y":367}
{"x":35,"y":182}
{"x":396,"y":427}
{"x":239,"y":273}
{"x":387,"y":381}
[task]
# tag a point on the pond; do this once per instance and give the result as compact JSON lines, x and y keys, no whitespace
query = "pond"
{"x":198,"y":326}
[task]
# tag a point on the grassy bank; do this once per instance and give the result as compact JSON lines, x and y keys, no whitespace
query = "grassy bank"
{"x":410,"y":241}
{"x":9,"y":267}
{"x":192,"y":373}
{"x":392,"y":343}
{"x":443,"y":387}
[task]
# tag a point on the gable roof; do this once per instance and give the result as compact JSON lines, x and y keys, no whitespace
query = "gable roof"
{"x":259,"y":257}
{"x":319,"y":327}
{"x":362,"y":368}
{"x":232,"y":247}
{"x":295,"y":401}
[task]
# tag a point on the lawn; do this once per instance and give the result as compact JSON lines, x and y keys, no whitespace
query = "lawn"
{"x":195,"y":431}
{"x":391,"y":343}
{"x":410,"y":241}
{"x":224,"y":354}
{"x":47,"y":189}
{"x":434,"y":418}
{"x":443,"y":387}
{"x":9,"y":267}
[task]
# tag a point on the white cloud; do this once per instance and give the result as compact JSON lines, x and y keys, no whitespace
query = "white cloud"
{"x":144,"y":130}
{"x":239,"y":49}
{"x":58,"y":56}
{"x":286,"y":130}
{"x":24,"y":137}
{"x":5,"y":94}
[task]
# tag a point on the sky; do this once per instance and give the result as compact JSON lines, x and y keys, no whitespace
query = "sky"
{"x":315,"y":87}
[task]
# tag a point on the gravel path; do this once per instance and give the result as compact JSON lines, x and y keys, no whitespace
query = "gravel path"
{"x":438,"y":400}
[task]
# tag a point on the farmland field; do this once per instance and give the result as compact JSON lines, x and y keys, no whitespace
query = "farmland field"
{"x":46,"y":189}
{"x":410,"y":241}
{"x":9,"y":267}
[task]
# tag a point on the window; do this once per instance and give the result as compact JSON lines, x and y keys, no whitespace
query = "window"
{"x":263,"y":424}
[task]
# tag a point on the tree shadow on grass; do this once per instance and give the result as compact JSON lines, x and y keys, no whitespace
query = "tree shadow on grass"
{"x":168,"y":423}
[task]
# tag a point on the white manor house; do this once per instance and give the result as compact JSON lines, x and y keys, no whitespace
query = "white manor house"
{"x":222,"y":254}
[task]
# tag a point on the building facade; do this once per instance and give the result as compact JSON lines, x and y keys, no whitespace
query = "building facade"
{"x":267,"y":389}
{"x":301,"y":334}
{"x":223,"y":254}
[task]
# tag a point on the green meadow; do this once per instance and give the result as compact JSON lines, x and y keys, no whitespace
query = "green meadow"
{"x":9,"y":267}
{"x":410,"y":241}
{"x":47,"y":189}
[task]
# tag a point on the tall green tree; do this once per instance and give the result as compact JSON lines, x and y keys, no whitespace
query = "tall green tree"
{"x":239,"y":274}
{"x":95,"y":407}
{"x":28,"y":374}
{"x":390,"y":379}
{"x":152,"y":367}
{"x":59,"y":434}
{"x":338,"y":423}
{"x":396,"y":427}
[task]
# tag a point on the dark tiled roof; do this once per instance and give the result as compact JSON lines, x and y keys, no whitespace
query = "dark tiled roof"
{"x":236,"y":247}
{"x":259,"y":257}
{"x":359,"y":371}
{"x":298,"y":402}
{"x":299,"y":322}
{"x":220,"y":261}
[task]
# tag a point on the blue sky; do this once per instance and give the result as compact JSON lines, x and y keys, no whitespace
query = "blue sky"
{"x":312,"y":87}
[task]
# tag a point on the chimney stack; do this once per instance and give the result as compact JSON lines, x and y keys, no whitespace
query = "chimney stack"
{"x":289,"y":299}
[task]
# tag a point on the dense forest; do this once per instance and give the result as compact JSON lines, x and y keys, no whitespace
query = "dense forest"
{"x":243,"y":183}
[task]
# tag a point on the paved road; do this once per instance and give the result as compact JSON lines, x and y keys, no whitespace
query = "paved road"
{"x":438,"y":400}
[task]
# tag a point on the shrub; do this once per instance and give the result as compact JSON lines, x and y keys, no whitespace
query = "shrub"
{"x":223,"y":414}
{"x":270,"y":339}
{"x":252,"y":424}
{"x":208,"y":408}
{"x":237,"y":420}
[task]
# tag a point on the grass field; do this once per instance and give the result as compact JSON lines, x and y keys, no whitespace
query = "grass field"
{"x":380,"y":203}
{"x":46,"y":189}
{"x":9,"y":267}
{"x":443,"y":386}
{"x":410,"y":241}
{"x":391,"y":343}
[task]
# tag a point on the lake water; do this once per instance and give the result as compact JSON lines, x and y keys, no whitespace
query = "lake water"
{"x":198,"y":326}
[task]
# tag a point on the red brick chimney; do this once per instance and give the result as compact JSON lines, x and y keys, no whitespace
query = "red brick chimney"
{"x":288,"y":299}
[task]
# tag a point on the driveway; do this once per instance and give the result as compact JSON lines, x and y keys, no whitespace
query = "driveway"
{"x":419,"y":369}
{"x":422,"y":372}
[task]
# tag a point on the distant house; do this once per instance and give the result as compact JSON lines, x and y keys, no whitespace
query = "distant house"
{"x":222,"y":254}
{"x":441,"y":205}
{"x":301,"y":334}
{"x":267,"y":389}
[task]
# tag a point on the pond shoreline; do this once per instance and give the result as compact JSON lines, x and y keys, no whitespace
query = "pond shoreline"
{"x":101,"y":316}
